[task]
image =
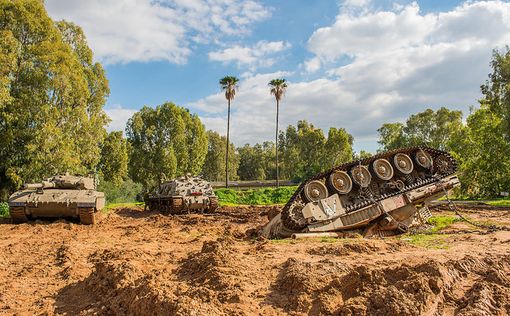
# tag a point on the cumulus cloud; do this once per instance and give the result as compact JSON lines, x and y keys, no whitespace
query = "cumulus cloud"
{"x":400,"y":61}
{"x":261,"y":54}
{"x":119,"y":117}
{"x":147,"y":30}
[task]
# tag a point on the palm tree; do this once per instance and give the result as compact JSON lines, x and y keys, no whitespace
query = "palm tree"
{"x":278,"y":87}
{"x":229,"y":84}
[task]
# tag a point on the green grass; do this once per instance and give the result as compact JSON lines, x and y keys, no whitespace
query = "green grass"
{"x":4,"y":209}
{"x":441,"y":222}
{"x":263,"y":196}
{"x":431,"y":241}
{"x":499,"y":202}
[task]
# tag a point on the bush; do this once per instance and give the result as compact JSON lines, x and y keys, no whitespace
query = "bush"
{"x":125,"y":192}
{"x":263,"y":196}
{"x":4,"y":209}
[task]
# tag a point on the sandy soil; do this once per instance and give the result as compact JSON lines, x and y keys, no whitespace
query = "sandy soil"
{"x":142,"y":263}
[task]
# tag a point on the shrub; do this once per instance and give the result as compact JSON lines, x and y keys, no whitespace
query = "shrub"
{"x":126,"y":192}
{"x":264,"y":196}
{"x":4,"y":209}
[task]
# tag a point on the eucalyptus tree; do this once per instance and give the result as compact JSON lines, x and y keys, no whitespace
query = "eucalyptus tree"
{"x":229,"y":85}
{"x":278,"y":87}
{"x":52,"y":95}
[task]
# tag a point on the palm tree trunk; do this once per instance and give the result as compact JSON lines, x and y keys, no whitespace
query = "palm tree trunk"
{"x":228,"y":145}
{"x":277,"y":170}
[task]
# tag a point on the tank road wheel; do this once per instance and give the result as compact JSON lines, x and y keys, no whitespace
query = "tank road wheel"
{"x":213,"y":204}
{"x":315,"y":190}
{"x":383,"y":169}
{"x":177,"y":205}
{"x":293,"y":219}
{"x":18,"y":215}
{"x":340,"y":181}
{"x":87,"y":216}
{"x":361,"y":176}
{"x":403,"y":163}
{"x":423,"y":159}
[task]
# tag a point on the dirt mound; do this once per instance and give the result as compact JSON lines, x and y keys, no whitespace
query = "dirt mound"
{"x":214,"y":272}
{"x":427,"y":288}
{"x":353,"y":247}
{"x":299,"y":283}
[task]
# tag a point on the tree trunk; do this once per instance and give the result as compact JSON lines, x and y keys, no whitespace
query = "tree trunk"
{"x":277,"y":170}
{"x":228,"y":145}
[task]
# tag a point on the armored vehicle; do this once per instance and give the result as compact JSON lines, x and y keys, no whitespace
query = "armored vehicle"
{"x":383,"y":195}
{"x":184,"y":194}
{"x":59,"y":196}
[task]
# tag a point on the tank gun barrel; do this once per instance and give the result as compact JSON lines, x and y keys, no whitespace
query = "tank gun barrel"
{"x":41,"y":185}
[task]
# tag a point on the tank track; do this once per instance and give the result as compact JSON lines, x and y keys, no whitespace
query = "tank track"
{"x":443,"y":165}
{"x":87,"y":216}
{"x":18,"y":215}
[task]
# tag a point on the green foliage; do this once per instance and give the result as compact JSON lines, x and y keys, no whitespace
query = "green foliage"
{"x":165,"y":142}
{"x":496,"y":90}
{"x":214,"y":165}
{"x":432,"y":128}
{"x":52,"y":95}
{"x":114,"y":158}
{"x":264,"y":196}
{"x":229,"y":84}
{"x":483,"y":147}
{"x":306,"y":151}
{"x":480,"y":150}
{"x":4,"y":209}
{"x":125,"y":191}
{"x":257,"y":162}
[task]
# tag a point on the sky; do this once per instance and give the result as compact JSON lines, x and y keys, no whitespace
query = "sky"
{"x":354,"y":64}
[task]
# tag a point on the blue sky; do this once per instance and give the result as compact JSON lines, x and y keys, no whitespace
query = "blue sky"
{"x":354,"y":64}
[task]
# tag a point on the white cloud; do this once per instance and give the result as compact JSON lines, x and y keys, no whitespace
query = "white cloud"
{"x":312,"y":64}
{"x":261,"y":54}
{"x":119,"y":117}
{"x":145,"y":30}
{"x":400,"y":61}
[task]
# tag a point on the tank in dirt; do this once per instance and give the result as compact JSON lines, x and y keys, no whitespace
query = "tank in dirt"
{"x":59,"y":196}
{"x":183,"y":195}
{"x":383,"y":195}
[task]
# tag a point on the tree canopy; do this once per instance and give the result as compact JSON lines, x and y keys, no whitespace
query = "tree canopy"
{"x":431,"y":128}
{"x":114,"y":158}
{"x":166,"y":141}
{"x":52,"y":95}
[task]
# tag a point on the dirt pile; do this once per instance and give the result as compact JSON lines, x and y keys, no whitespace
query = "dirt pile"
{"x":466,"y":287}
{"x":214,"y":273}
{"x":139,"y":263}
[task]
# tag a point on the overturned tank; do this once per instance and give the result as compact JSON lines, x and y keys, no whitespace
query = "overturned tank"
{"x":59,"y":196}
{"x":383,"y":195}
{"x":183,"y":195}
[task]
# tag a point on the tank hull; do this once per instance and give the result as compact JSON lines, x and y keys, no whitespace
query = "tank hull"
{"x":54,"y":203}
{"x":381,"y":195}
{"x":183,"y":195}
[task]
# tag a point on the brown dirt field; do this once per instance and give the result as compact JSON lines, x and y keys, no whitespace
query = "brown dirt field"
{"x":143,"y":263}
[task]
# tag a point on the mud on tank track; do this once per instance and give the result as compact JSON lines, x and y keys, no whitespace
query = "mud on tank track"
{"x":133,"y":262}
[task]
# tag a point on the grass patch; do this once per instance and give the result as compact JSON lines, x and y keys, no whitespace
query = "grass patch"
{"x":4,"y":209}
{"x":427,"y":241}
{"x":499,"y":202}
{"x":441,"y":222}
{"x":263,"y":196}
